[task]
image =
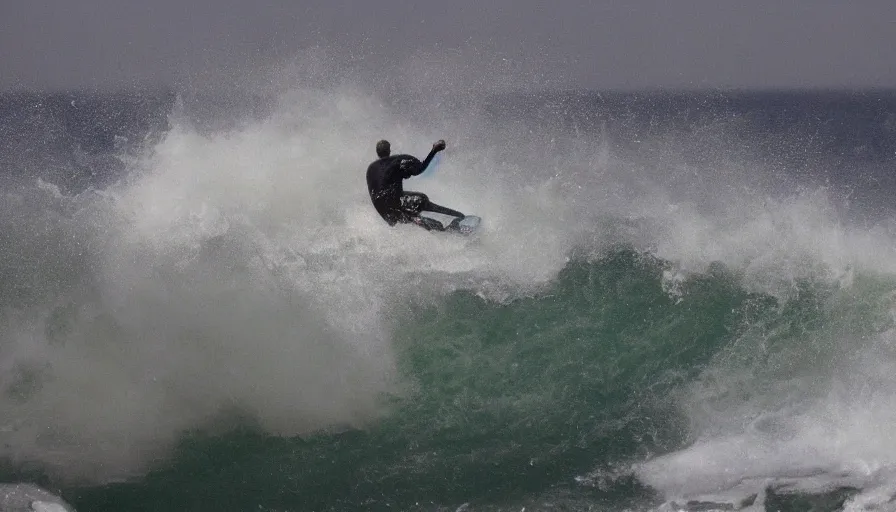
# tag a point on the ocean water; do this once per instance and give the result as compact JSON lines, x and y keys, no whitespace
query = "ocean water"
{"x":677,"y":301}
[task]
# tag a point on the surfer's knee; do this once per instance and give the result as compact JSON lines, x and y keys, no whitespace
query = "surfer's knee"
{"x":416,"y":196}
{"x":414,"y":201}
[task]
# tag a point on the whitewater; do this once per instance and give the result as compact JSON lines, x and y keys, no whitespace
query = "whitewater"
{"x":699,"y":315}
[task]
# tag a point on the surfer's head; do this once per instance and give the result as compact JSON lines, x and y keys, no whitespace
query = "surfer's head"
{"x":383,"y":148}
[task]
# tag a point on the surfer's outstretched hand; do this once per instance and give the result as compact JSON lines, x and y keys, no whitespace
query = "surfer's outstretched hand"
{"x":439,"y":145}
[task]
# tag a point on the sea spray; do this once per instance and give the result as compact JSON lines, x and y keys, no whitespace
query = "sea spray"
{"x":654,"y":312}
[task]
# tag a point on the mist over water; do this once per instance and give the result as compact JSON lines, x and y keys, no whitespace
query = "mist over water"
{"x":232,"y":270}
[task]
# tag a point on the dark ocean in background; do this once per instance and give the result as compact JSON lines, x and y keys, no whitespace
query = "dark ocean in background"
{"x":677,"y":301}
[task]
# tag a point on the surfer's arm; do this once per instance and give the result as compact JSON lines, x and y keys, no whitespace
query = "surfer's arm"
{"x":426,"y":161}
{"x":438,"y":146}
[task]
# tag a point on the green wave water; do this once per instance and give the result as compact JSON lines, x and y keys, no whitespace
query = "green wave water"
{"x":662,"y":312}
{"x":507,"y":405}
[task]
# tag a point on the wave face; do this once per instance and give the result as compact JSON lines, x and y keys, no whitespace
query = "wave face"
{"x":676,"y":300}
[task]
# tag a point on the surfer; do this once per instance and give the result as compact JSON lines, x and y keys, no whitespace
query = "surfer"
{"x":384,"y":178}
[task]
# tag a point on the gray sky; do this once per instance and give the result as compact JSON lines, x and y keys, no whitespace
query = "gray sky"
{"x":60,"y":44}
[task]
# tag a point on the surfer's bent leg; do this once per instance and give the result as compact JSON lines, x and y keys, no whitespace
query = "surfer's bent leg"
{"x":432,"y":207}
{"x":415,"y":202}
{"x":406,"y":217}
{"x":428,"y":224}
{"x":412,"y":203}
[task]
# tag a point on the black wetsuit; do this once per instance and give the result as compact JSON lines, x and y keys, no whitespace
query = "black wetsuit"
{"x":384,"y":177}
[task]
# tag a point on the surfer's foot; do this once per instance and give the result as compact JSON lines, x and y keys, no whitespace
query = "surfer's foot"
{"x":455,"y":224}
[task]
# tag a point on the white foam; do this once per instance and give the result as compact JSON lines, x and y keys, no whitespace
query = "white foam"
{"x":245,"y":268}
{"x":27,"y":497}
{"x":236,"y":270}
{"x":828,"y":426}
